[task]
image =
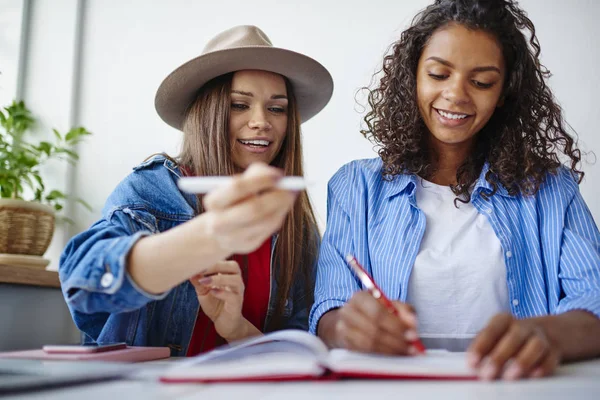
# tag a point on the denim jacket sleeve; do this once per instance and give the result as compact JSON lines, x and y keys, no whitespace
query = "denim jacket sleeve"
{"x":93,"y":266}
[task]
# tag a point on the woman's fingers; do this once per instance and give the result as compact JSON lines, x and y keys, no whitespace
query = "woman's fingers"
{"x":505,"y":349}
{"x":271,"y":205}
{"x":512,"y":348}
{"x":354,"y":339}
{"x":217,"y":273}
{"x":486,"y":340}
{"x":383,"y":319}
{"x":231,"y":301}
{"x":366,"y":325}
{"x":223,"y":267}
{"x":547,"y":366}
{"x":353,"y":317}
{"x":227,"y":282}
{"x":358,"y":339}
{"x":257,"y":178}
{"x":244,"y":213}
{"x":242,"y":227}
{"x":533,"y":353}
{"x":409,"y":317}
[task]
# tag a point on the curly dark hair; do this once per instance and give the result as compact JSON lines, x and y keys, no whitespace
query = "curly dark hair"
{"x":522,"y":141}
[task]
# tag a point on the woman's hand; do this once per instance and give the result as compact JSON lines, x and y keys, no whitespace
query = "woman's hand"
{"x":364,"y":324}
{"x":243,"y":214}
{"x":239,"y":217}
{"x":511,"y":349}
{"x":220,"y":291}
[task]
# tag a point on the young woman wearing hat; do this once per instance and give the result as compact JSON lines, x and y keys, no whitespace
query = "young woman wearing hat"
{"x":165,"y":268}
{"x":468,"y":214}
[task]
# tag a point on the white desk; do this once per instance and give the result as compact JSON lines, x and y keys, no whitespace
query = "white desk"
{"x":572,"y":382}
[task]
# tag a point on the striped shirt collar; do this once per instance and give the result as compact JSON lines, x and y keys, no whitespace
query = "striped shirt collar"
{"x":408,"y":182}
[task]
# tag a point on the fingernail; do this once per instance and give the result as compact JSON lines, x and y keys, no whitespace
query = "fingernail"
{"x":412,"y":318}
{"x":409,"y":317}
{"x":512,"y":372}
{"x":205,"y":281}
{"x":411,"y":335}
{"x":537,"y":373}
{"x":412,"y":350}
{"x":473,"y":359}
{"x":488,"y":371}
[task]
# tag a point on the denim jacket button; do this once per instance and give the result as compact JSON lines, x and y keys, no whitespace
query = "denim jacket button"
{"x":107,"y":279}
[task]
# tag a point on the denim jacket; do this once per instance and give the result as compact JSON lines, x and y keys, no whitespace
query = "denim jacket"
{"x":105,"y":302}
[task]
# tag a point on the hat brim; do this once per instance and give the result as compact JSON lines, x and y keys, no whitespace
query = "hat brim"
{"x":312,"y":83}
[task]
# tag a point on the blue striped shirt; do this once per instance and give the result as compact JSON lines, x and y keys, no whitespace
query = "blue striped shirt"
{"x":550,"y":242}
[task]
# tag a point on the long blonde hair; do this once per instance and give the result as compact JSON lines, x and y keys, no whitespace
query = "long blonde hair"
{"x":206,"y":150}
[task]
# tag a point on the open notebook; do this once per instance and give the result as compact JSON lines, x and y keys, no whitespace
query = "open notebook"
{"x":298,"y":355}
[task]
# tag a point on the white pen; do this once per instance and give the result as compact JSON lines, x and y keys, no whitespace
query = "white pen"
{"x":204,"y":184}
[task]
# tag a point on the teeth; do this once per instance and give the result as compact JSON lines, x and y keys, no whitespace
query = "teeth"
{"x":451,"y":116}
{"x":255,"y":142}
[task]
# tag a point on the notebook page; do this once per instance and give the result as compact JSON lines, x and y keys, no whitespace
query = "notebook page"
{"x":433,"y":364}
{"x":291,"y":340}
{"x":271,"y":365}
{"x":283,"y":353}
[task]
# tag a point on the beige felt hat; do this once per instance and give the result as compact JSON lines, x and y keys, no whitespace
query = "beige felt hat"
{"x":239,"y":48}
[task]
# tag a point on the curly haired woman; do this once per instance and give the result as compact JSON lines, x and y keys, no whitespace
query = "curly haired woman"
{"x":468,"y":219}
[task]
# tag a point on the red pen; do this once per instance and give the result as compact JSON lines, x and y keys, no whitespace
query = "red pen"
{"x":372,"y":288}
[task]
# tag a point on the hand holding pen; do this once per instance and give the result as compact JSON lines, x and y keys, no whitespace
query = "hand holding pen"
{"x":370,"y":322}
{"x":244,"y":211}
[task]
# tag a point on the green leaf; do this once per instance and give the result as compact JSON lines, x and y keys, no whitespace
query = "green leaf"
{"x":71,"y":153}
{"x":39,"y":181}
{"x":55,"y":194}
{"x":27,"y":179}
{"x":76,"y":135}
{"x":45,"y":147}
{"x":27,"y":161}
{"x":20,"y":159}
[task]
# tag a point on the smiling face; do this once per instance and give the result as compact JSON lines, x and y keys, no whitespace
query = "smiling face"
{"x":258,"y":117}
{"x":460,"y":77}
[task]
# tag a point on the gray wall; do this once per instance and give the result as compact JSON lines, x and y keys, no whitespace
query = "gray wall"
{"x":33,"y":316}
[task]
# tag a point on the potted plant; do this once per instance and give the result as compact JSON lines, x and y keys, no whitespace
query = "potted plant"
{"x":27,"y":206}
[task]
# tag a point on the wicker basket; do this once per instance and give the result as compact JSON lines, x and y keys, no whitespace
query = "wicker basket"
{"x":26,"y":227}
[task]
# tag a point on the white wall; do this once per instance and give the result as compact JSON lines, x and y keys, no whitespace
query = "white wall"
{"x":48,"y":87}
{"x":10,"y":35}
{"x":130,"y":45}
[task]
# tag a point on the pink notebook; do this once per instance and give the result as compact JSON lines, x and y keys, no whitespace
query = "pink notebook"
{"x":130,"y":354}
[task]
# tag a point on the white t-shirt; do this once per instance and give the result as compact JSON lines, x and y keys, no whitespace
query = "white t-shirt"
{"x":458,"y":281}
